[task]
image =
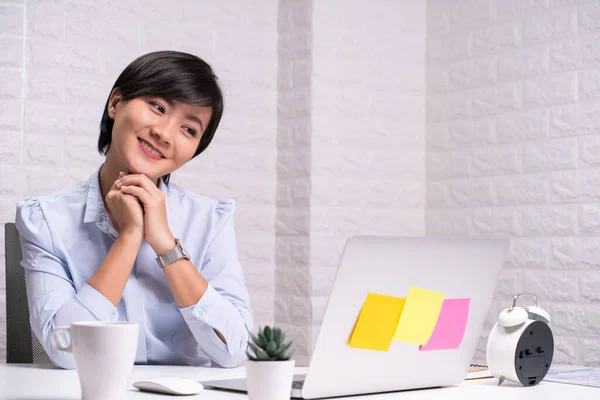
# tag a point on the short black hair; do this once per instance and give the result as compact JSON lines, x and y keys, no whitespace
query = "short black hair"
{"x":174,"y":76}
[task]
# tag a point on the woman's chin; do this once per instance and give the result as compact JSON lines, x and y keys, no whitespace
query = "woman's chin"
{"x":141,"y":167}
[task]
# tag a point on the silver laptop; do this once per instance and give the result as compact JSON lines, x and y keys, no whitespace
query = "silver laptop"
{"x":459,"y":268}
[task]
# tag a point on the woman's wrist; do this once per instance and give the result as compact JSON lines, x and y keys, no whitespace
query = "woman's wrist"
{"x":132,"y":236}
{"x":163,"y":245}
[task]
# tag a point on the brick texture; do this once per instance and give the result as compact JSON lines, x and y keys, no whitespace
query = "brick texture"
{"x":294,"y":76}
{"x":350,"y":150}
{"x":533,"y":173}
{"x":482,"y":121}
{"x":367,"y":163}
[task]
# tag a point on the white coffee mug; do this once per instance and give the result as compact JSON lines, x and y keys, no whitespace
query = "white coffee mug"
{"x":104,"y":355}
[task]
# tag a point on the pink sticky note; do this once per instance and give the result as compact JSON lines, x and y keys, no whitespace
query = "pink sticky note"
{"x":450,"y":327}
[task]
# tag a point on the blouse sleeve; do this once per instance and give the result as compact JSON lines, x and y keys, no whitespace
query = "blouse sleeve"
{"x":225,"y":306}
{"x":52,"y":298}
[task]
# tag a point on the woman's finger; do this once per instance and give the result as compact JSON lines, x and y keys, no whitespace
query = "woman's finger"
{"x":140,"y":180}
{"x":114,"y":185}
{"x":138,"y":192}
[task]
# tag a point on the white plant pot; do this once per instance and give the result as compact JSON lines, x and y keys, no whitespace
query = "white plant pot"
{"x":270,"y":380}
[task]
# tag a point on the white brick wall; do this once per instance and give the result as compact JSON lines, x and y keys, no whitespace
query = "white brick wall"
{"x":58,"y":61}
{"x":350,"y":143}
{"x":367,"y":163}
{"x":513,"y":150}
{"x":324,"y":133}
{"x":294,"y":77}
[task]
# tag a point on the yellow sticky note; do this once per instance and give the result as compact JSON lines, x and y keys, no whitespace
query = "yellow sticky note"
{"x":419,"y":316}
{"x":376,"y":322}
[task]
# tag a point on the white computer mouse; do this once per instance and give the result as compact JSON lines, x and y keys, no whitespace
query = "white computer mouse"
{"x":169,"y":385}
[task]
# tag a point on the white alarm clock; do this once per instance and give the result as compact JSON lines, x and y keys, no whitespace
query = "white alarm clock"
{"x":520,"y":346}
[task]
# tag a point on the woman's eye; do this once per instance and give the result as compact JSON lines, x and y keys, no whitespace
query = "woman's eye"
{"x":158,"y":107}
{"x":190,"y":131}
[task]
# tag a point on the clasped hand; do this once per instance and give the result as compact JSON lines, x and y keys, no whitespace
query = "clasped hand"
{"x":139,"y":207}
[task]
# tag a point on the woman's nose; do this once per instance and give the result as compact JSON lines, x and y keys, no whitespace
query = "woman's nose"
{"x":162,"y":132}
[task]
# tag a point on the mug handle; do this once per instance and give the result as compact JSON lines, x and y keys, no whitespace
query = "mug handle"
{"x":56,"y":343}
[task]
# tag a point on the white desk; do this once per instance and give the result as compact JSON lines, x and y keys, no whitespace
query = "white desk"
{"x":30,"y":382}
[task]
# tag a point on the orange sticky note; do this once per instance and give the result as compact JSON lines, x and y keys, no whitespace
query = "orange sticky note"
{"x":419,"y":316}
{"x":450,"y":328}
{"x":376,"y":322}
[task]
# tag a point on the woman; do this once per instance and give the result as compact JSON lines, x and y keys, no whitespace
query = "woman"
{"x":127,"y":244}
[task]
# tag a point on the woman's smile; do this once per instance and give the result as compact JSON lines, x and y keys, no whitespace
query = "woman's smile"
{"x":150,"y":150}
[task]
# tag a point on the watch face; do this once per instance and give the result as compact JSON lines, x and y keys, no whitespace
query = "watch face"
{"x":183,"y":251}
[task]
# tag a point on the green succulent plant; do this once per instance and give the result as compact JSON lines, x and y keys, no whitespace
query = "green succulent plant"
{"x":269,"y":345}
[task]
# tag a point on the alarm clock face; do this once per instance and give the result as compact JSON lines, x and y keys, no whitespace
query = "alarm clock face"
{"x":533,"y":356}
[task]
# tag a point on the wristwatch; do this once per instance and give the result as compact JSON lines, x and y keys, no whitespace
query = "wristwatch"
{"x":172,"y":255}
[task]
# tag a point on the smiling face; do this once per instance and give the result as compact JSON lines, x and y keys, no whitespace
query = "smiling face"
{"x":153,"y":136}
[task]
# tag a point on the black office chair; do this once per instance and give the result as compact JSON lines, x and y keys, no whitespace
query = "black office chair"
{"x":22,"y":346}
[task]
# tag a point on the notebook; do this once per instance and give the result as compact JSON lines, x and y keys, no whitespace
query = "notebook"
{"x":478,"y":372}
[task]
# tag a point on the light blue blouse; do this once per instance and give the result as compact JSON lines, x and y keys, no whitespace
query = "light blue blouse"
{"x":66,"y":236}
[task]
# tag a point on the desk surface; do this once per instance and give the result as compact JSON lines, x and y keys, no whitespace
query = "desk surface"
{"x":30,"y":382}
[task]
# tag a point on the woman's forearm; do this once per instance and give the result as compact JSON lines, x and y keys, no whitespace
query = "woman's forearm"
{"x":112,"y":275}
{"x":187,"y":285}
{"x":186,"y":282}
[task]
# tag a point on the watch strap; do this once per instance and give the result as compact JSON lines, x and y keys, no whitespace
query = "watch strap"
{"x":172,"y":255}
